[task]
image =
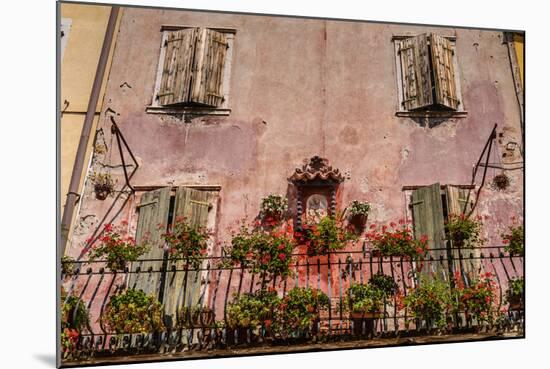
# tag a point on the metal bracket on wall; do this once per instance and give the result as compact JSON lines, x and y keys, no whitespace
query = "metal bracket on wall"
{"x":122,"y":141}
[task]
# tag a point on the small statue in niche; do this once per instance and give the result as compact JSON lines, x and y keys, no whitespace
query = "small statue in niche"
{"x":316,"y":207}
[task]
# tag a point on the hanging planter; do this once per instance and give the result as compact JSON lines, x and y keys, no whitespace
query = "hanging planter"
{"x":358,"y":213}
{"x":273,"y":208}
{"x":501,"y":182}
{"x":103,"y":185}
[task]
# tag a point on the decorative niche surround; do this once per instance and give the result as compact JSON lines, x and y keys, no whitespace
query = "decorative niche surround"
{"x":316,"y":183}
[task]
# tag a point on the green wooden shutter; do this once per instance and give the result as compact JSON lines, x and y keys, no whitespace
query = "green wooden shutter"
{"x":153,"y":209}
{"x":444,"y":73}
{"x":194,"y":205}
{"x":415,"y":72}
{"x":178,"y":66}
{"x":458,"y":203}
{"x":428,"y":217}
{"x":208,"y":68}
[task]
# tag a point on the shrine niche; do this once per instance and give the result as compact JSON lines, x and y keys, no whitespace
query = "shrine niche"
{"x":316,"y":183}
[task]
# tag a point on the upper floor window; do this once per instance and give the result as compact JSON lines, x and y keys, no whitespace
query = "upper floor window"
{"x":427,"y":76}
{"x":193,"y":73}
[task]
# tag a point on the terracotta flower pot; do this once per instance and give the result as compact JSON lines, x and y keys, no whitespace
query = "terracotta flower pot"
{"x":236,"y":336}
{"x":364,"y":322}
{"x":102,"y":191}
{"x":515,"y":303}
{"x":358,"y":221}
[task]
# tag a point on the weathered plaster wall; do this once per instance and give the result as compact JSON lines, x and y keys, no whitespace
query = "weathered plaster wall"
{"x":301,"y":88}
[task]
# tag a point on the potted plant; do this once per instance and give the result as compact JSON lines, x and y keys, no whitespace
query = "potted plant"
{"x":358,"y":213}
{"x":74,"y":319}
{"x":273,"y":208}
{"x":514,"y":293}
{"x":325,"y":236}
{"x":478,"y":299}
{"x":103,"y":184}
{"x":67,"y":266}
{"x":396,"y":240}
{"x":133,"y":311}
{"x":250,"y":312}
{"x":430,"y":301}
{"x":464,"y":231}
{"x":500,"y":182}
{"x":117,"y":248}
{"x":365,"y":302}
{"x":298,"y":313}
{"x":514,"y":240}
{"x":264,"y":251}
{"x":186,"y":242}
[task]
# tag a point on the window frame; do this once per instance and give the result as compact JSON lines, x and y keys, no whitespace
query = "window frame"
{"x":224,"y":109}
{"x":429,"y":112}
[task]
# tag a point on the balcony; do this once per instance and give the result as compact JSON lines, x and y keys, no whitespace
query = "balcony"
{"x":196,"y":302}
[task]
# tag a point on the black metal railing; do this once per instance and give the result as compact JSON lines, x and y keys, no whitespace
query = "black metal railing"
{"x":212,"y":287}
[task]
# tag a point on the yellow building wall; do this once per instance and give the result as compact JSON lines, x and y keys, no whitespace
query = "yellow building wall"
{"x":78,"y":69}
{"x":519,"y":41}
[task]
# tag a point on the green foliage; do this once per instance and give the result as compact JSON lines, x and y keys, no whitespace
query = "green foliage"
{"x":365,"y":298}
{"x":187,"y":242}
{"x":251,"y":310}
{"x":328,"y":235}
{"x":133,"y":312}
{"x":67,"y":265}
{"x":298,"y":310}
{"x":74,"y":313}
{"x":514,"y":292}
{"x":431,"y":300}
{"x":273,"y":207}
{"x":385,"y":283}
{"x":268,"y":252}
{"x":358,"y":208}
{"x":116,"y":248}
{"x":514,"y":240}
{"x":464,"y":231}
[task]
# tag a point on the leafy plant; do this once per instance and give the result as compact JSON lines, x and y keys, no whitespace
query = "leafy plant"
{"x":464,"y":231}
{"x":431,"y":301}
{"x":67,"y":265}
{"x":328,"y":235}
{"x":358,"y":208}
{"x":103,"y":184}
{"x":133,"y":312}
{"x":514,"y":293}
{"x":273,"y":207}
{"x":264,"y":251}
{"x":396,"y":240}
{"x":500,"y":182}
{"x":69,"y":341}
{"x":74,"y":313}
{"x":514,"y":240}
{"x":186,"y":242}
{"x":365,"y":298}
{"x":385,"y":283}
{"x":478,"y":299}
{"x":117,"y":248}
{"x":298,"y":310}
{"x":251,"y":310}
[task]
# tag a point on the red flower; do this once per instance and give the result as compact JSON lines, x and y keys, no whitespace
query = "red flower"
{"x":393,"y":225}
{"x":372,"y":226}
{"x":282,"y":257}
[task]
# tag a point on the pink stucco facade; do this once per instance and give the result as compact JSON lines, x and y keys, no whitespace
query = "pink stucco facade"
{"x":299,"y":88}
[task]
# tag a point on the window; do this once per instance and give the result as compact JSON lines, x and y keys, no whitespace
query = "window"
{"x":193,"y":71}
{"x":430,"y":207}
{"x":427,"y":76}
{"x":158,"y":276}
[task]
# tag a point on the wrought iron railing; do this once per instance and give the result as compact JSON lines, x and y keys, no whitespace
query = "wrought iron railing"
{"x":213,"y":286}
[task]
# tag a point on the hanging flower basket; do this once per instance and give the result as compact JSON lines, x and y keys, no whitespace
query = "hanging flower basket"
{"x":103,"y":185}
{"x":501,"y":182}
{"x":358,"y":213}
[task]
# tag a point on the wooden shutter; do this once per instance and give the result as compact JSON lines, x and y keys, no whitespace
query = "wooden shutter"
{"x":443,"y":71}
{"x":458,"y":203}
{"x":153,"y":209}
{"x":178,"y":64}
{"x":428,"y":218}
{"x":415,"y":72}
{"x":208,"y":68}
{"x":194,"y":205}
